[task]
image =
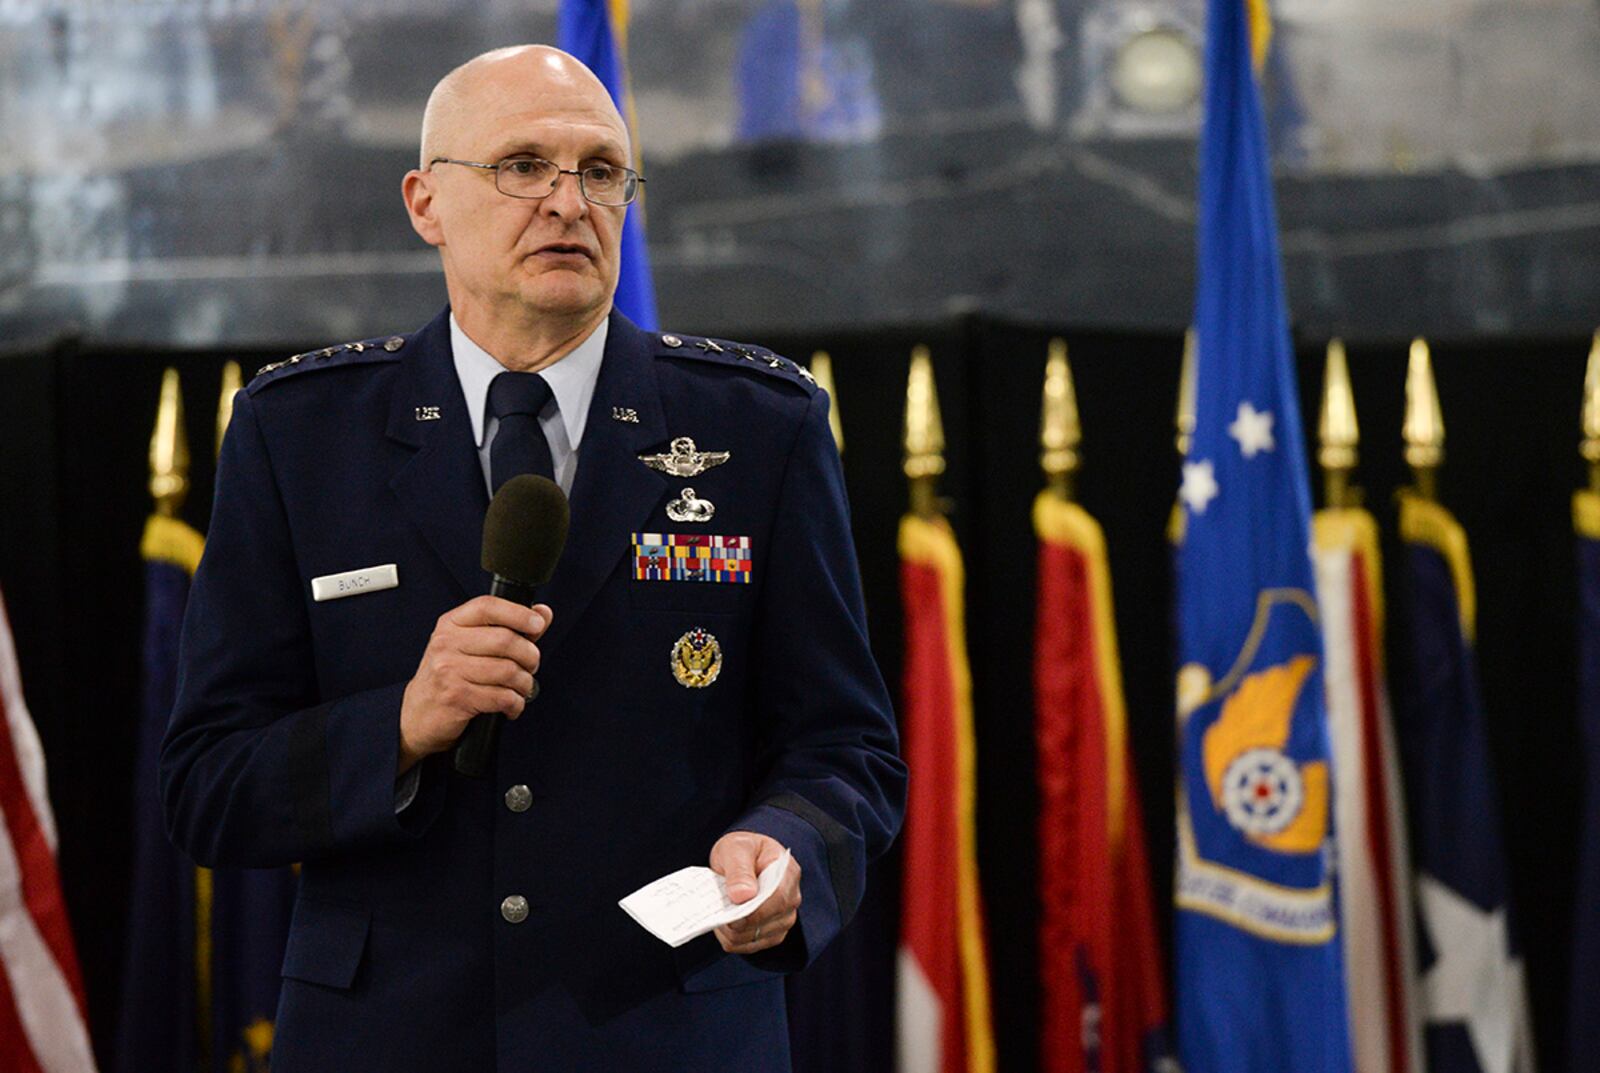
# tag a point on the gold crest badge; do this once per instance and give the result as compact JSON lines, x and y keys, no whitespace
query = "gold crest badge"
{"x":696,"y":659}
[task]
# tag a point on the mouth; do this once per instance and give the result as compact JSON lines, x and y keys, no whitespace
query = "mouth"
{"x":562,"y":250}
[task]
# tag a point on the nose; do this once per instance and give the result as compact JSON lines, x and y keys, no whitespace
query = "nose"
{"x":566,"y":198}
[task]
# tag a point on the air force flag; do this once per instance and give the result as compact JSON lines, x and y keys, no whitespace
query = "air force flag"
{"x":1260,"y":985}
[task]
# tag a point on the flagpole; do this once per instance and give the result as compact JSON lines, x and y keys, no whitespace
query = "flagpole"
{"x":1590,"y":448}
{"x":231,"y":383}
{"x":822,"y":370}
{"x":924,"y":436}
{"x":1060,"y":432}
{"x":169,"y":449}
{"x":1423,"y":430}
{"x":1337,"y":431}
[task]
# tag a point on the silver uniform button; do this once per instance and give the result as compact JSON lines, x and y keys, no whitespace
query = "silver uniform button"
{"x":518,"y":798}
{"x":514,"y":909}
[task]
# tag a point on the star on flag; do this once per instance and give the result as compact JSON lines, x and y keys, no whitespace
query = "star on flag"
{"x":1253,"y":429}
{"x":1199,"y":486}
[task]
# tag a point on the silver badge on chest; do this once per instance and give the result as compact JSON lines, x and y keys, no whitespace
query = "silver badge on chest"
{"x":690,"y":508}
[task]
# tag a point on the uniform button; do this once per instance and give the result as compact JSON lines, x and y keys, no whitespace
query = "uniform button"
{"x":518,"y":798}
{"x":514,"y":909}
{"x":393,"y":343}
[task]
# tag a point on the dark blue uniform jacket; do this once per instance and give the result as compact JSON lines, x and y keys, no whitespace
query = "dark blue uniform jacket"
{"x":283,"y":745}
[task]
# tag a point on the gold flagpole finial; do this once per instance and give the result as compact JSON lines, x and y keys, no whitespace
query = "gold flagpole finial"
{"x":231,"y":382}
{"x":1423,"y":430}
{"x":924,"y":434}
{"x":1590,"y":448}
{"x":1186,"y":398}
{"x":822,"y":369}
{"x":1338,"y":432}
{"x":1059,"y":430}
{"x":169,"y":449}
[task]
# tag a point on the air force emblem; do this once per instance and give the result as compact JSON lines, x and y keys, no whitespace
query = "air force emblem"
{"x":682,"y":460}
{"x":1254,"y":802}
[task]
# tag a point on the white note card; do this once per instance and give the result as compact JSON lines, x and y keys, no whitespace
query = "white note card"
{"x":693,"y":901}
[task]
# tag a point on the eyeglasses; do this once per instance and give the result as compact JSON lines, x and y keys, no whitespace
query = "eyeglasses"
{"x":532,"y":177}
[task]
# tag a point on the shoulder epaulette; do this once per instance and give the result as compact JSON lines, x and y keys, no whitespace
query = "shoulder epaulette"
{"x":740,"y":355}
{"x":383,"y":348}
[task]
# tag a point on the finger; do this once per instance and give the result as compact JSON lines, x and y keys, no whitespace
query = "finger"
{"x":770,"y":850}
{"x":495,"y":611}
{"x":485,"y":671}
{"x":549,"y":616}
{"x":500,"y":642}
{"x":738,"y":871}
{"x":494,"y":699}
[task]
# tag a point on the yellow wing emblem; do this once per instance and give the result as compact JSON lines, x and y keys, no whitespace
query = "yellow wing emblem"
{"x":1273,"y":801}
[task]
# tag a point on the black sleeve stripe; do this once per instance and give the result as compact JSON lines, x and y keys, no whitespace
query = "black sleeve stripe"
{"x":846,"y":888}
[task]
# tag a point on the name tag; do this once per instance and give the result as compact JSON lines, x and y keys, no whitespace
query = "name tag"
{"x":353,"y":582}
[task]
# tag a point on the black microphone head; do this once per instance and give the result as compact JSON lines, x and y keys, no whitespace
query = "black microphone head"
{"x":525,"y":529}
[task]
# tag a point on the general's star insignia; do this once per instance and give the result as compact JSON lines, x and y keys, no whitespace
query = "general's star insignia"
{"x":682,"y":460}
{"x":1253,"y":429}
{"x":696,"y":659}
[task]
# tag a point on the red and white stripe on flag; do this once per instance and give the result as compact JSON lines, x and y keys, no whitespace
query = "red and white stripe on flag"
{"x":1369,"y":809}
{"x":43,"y":1026}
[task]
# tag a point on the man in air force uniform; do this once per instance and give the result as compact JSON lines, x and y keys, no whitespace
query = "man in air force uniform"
{"x":704,"y":683}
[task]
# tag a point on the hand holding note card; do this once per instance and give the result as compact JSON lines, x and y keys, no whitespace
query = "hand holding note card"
{"x":692,"y":901}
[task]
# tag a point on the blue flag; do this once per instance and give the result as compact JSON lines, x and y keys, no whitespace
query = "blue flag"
{"x":1583,"y":1022}
{"x":205,"y":948}
{"x":1259,"y":968}
{"x":585,"y":29}
{"x":1474,"y":1005}
{"x":158,"y":1024}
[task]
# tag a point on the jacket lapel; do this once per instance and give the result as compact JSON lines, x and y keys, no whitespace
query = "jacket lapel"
{"x":613,"y":492}
{"x":440,"y":488}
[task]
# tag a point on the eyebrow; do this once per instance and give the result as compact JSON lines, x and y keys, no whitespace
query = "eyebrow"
{"x":595,"y":151}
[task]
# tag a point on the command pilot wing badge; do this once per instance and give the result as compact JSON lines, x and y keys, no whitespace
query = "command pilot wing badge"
{"x":682,"y":460}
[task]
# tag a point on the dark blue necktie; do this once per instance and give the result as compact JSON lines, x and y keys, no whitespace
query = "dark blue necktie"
{"x":519,"y":444}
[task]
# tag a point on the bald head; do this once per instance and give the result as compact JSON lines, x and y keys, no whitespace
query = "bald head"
{"x":515,"y":79}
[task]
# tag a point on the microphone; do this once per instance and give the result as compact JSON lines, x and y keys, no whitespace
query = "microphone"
{"x":523,"y":534}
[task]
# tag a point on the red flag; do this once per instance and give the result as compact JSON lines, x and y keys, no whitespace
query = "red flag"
{"x":43,"y":1025}
{"x":1369,"y":808}
{"x":943,"y":979}
{"x":1102,"y":1002}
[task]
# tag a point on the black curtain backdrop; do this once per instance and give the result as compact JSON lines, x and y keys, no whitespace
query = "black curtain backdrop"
{"x":73,"y":471}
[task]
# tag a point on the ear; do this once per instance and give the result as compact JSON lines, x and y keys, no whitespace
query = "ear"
{"x":417,"y":190}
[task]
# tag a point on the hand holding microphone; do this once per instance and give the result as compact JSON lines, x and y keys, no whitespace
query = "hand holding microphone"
{"x":478,"y":668}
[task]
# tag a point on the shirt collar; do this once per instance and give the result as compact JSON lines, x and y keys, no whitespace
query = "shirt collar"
{"x":571,"y":379}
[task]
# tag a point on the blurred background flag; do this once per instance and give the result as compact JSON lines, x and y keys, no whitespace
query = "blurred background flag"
{"x":596,"y":32}
{"x":1474,"y":1006}
{"x":1102,"y":1001}
{"x":1375,"y":905}
{"x":205,"y":947}
{"x":43,"y":1026}
{"x":1259,"y":969}
{"x":1583,"y":1022}
{"x":942,"y":990}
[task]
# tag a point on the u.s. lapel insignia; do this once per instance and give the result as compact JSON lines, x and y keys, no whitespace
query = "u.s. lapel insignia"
{"x":696,"y":659}
{"x":682,"y":460}
{"x":690,"y":508}
{"x":626,"y":414}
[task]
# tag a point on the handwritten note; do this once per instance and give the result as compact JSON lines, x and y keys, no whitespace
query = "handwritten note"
{"x":692,"y":901}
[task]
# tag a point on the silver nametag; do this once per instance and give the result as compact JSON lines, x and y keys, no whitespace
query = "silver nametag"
{"x":353,"y":582}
